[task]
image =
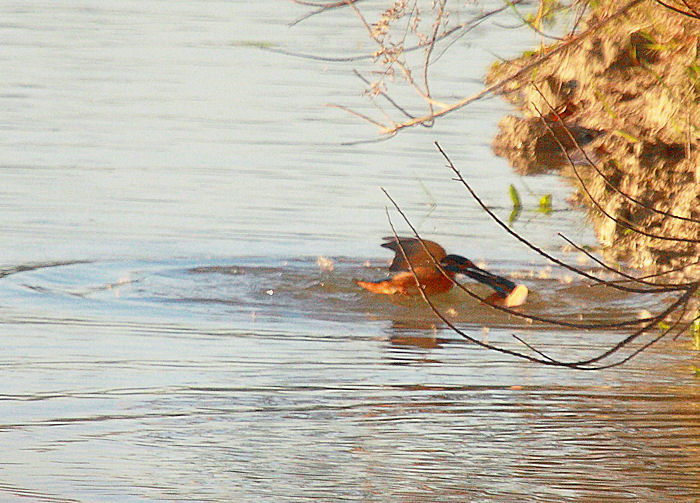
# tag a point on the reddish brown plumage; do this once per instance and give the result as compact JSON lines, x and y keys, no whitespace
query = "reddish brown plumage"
{"x":432,"y":280}
{"x":435,"y":271}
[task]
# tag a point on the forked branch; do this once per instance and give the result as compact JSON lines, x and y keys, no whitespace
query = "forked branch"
{"x":597,"y":362}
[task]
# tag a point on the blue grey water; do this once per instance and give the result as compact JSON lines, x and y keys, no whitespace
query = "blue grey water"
{"x":181,"y":217}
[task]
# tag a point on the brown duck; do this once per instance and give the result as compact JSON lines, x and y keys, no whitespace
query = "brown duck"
{"x":432,"y":280}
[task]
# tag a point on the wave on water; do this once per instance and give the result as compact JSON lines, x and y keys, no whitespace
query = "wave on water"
{"x":308,"y":288}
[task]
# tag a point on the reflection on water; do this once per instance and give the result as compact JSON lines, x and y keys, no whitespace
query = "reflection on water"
{"x":167,"y":332}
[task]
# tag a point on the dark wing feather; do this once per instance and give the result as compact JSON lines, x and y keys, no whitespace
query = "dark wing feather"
{"x":414,"y":251}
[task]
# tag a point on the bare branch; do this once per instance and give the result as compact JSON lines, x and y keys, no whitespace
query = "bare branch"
{"x":504,"y":309}
{"x":561,"y":120}
{"x":356,"y":114}
{"x":527,"y":243}
{"x":617,"y":271}
{"x":692,"y":14}
{"x":664,"y":273}
{"x":620,"y":221}
{"x":500,"y":84}
{"x":322,"y":7}
{"x":384,"y":95}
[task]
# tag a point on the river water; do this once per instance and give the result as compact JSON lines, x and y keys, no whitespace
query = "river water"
{"x":182,"y":217}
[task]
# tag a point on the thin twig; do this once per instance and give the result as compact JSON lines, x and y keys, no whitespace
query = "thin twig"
{"x":527,"y":243}
{"x":694,"y":15}
{"x":561,"y":120}
{"x":579,"y":18}
{"x":428,"y":53}
{"x":385,"y":95}
{"x":519,"y":314}
{"x":690,"y":8}
{"x":629,"y":277}
{"x":620,"y":221}
{"x":356,"y":113}
{"x":322,"y":7}
{"x":532,"y":348}
{"x":502,"y":83}
{"x":464,"y":27}
{"x":642,"y":348}
{"x":658,"y":274}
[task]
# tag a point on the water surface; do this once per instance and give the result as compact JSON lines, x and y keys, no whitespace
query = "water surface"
{"x":167,"y":331}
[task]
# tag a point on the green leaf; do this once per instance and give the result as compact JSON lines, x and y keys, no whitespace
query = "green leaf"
{"x":663,"y":326}
{"x":626,"y":136}
{"x":694,"y":68}
{"x":515,"y":197}
{"x":545,"y":204}
{"x":695,"y":331}
{"x":697,"y":370}
{"x":607,"y":107}
{"x":514,"y":215}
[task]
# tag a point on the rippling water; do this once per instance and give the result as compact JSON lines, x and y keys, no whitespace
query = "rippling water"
{"x":168,"y":331}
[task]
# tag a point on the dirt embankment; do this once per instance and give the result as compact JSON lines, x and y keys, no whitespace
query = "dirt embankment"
{"x":629,"y":92}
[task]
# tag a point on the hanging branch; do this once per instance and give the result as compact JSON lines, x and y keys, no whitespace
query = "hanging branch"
{"x":527,"y":243}
{"x":516,"y":313}
{"x":544,"y":359}
{"x":686,"y":291}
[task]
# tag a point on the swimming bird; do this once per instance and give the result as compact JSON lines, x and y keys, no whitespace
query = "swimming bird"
{"x":432,"y":280}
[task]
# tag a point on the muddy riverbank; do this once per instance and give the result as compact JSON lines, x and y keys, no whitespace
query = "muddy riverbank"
{"x":629,"y":92}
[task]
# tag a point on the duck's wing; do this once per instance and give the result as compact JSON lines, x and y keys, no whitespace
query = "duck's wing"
{"x":415,"y":252}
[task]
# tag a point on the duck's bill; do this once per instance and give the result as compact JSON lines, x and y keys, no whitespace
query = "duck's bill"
{"x":501,"y":285}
